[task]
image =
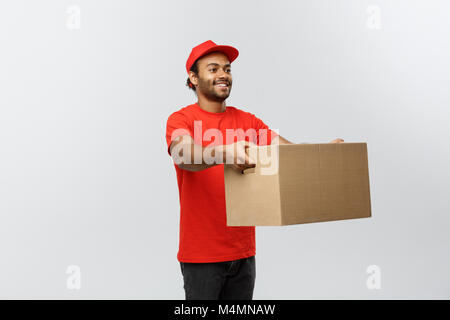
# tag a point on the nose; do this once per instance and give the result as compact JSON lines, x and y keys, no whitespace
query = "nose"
{"x":223,"y":75}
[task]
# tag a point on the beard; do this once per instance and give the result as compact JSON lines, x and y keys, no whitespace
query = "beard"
{"x":213,"y":93}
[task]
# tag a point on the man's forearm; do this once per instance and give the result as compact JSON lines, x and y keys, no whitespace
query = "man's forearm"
{"x":280,"y":140}
{"x":198,"y":157}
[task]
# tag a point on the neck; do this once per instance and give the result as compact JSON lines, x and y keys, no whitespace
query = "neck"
{"x":211,"y":106}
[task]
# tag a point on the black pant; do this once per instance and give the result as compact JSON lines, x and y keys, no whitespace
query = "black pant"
{"x":229,"y":280}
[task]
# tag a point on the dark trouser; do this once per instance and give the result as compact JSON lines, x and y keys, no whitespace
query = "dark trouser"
{"x":229,"y":280}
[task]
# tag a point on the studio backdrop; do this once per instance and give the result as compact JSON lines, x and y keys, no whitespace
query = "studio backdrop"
{"x":89,"y":204}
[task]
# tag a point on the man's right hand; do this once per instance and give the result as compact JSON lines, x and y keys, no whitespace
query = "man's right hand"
{"x":236,"y":155}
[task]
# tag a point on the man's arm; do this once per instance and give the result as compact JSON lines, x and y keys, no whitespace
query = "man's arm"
{"x":185,"y":143}
{"x":280,"y":140}
{"x":233,"y":154}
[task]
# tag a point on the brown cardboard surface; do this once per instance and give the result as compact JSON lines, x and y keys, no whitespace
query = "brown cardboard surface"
{"x":299,"y":183}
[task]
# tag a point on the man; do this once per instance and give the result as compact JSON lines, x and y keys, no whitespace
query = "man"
{"x":217,"y":261}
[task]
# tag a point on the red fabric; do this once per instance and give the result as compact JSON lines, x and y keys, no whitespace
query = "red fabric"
{"x":208,"y":47}
{"x":204,"y":235}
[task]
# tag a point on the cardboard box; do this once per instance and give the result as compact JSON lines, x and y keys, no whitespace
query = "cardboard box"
{"x":299,"y":183}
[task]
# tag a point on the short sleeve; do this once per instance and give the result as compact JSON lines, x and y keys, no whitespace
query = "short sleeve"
{"x":177,"y":125}
{"x":264,"y":133}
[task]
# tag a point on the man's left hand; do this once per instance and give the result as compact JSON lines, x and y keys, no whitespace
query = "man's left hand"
{"x":338,"y":140}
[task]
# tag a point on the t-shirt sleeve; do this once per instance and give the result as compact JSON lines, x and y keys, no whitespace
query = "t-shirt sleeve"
{"x":177,"y":125}
{"x":265,"y":135}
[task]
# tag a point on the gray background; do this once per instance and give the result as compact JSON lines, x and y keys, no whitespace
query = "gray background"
{"x":85,"y":178}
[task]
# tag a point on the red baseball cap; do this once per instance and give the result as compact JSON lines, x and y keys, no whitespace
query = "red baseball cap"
{"x":208,"y":47}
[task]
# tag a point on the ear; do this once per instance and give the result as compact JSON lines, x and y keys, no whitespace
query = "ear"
{"x":193,"y":78}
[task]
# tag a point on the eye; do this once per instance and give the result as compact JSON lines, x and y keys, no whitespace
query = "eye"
{"x":212,"y":69}
{"x":229,"y":70}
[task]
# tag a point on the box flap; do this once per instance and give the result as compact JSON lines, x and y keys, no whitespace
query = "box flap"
{"x":253,"y":198}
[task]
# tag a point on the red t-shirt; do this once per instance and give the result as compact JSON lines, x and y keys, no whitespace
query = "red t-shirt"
{"x":204,"y":234}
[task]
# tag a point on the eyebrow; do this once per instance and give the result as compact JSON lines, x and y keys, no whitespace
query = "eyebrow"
{"x":216,"y":64}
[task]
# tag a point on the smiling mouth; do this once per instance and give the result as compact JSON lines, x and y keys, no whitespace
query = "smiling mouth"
{"x":222,"y":85}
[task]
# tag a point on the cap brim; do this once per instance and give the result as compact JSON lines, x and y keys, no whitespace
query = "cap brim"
{"x":231,"y":52}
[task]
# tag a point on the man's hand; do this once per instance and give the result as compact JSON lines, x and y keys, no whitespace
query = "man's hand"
{"x":338,"y":140}
{"x":236,"y":155}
